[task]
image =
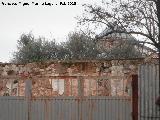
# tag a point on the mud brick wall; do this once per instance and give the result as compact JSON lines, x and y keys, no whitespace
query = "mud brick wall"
{"x":69,"y":78}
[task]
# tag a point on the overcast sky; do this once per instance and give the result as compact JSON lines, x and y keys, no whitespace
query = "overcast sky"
{"x":54,"y":21}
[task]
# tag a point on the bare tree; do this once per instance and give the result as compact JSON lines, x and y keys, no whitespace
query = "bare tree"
{"x":139,"y":17}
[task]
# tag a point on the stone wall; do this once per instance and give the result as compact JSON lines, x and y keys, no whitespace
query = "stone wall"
{"x":69,"y":78}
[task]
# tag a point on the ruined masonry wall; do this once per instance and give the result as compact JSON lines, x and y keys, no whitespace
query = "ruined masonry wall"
{"x":92,"y":78}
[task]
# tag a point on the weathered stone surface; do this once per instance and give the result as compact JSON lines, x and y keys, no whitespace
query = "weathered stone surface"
{"x":103,"y":78}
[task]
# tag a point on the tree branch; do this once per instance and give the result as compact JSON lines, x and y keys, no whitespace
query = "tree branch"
{"x":131,"y":32}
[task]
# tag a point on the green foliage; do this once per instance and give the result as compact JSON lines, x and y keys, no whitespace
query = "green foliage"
{"x":34,"y":50}
{"x":79,"y":46}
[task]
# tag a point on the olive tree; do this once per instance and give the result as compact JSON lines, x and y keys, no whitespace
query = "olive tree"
{"x":81,"y":46}
{"x":30,"y":49}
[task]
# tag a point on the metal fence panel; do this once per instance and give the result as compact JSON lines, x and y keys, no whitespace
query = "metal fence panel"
{"x":148,"y":92}
{"x":65,"y":108}
{"x":13,"y":108}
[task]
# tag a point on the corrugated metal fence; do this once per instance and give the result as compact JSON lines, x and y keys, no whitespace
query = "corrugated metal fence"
{"x":148,"y":92}
{"x":87,"y":108}
{"x":65,"y":108}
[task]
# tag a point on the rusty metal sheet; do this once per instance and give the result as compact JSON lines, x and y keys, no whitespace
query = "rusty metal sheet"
{"x":148,"y":92}
{"x":65,"y":108}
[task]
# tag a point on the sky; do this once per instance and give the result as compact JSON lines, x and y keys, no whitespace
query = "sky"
{"x":51,"y":22}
